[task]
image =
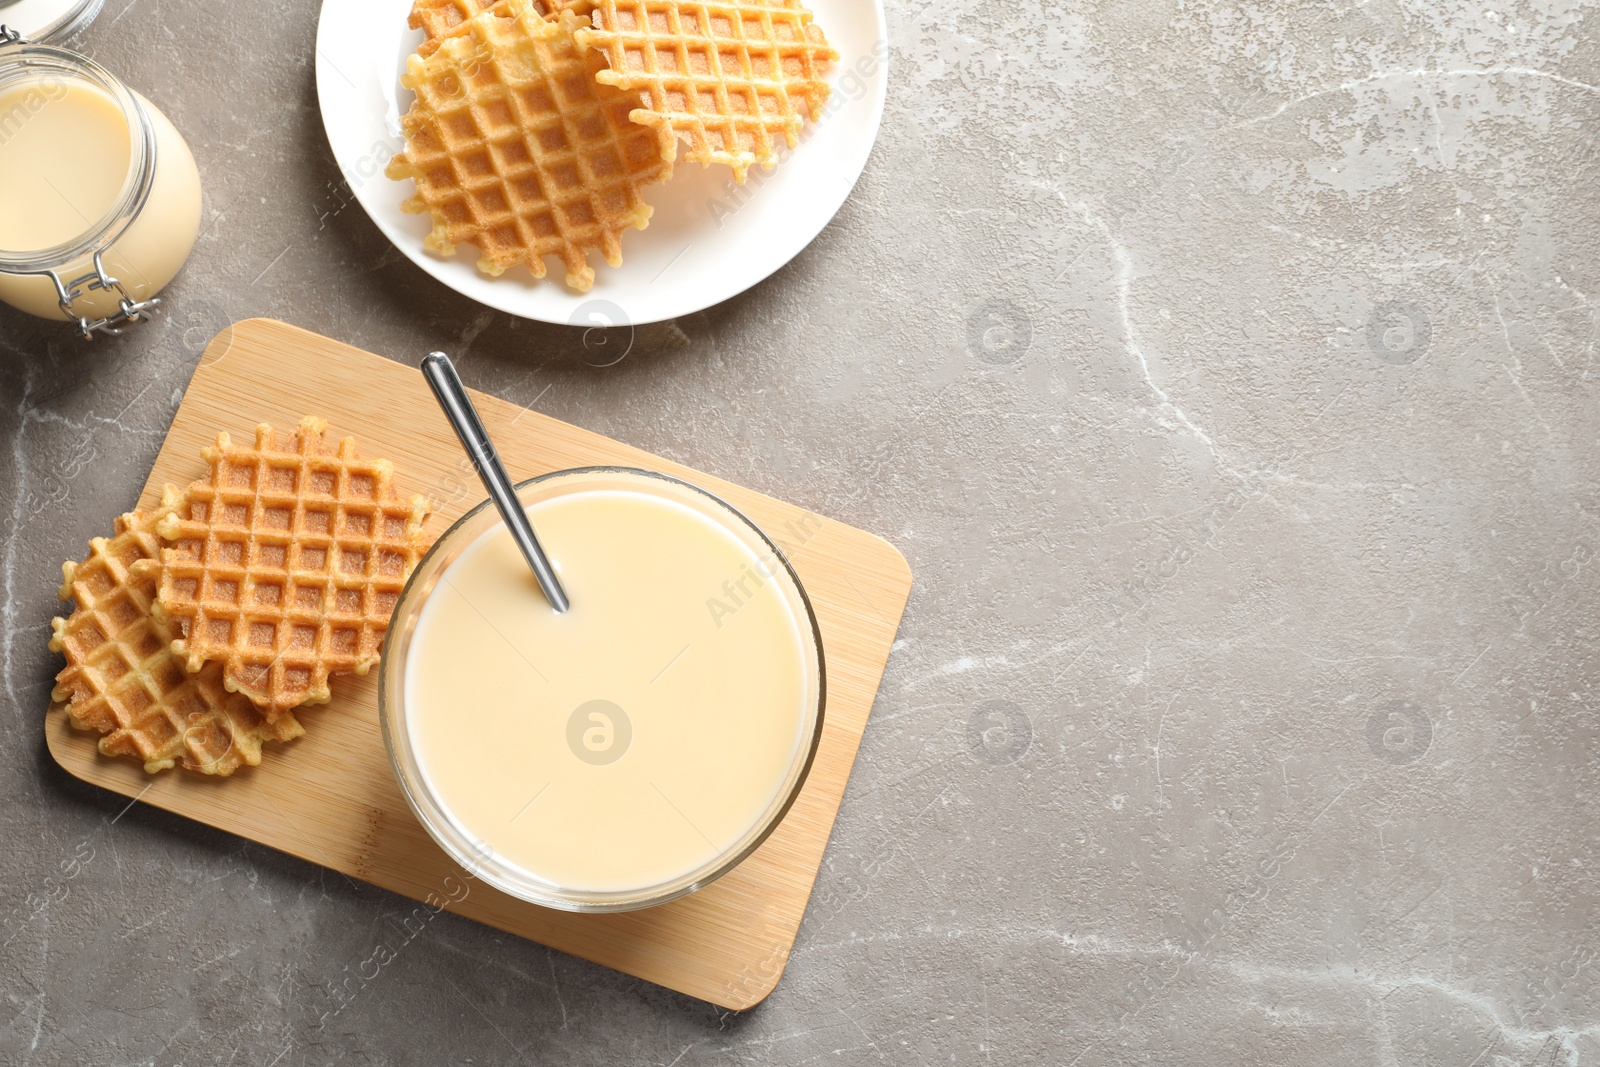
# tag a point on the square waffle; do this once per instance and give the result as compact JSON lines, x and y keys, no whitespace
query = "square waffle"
{"x":727,"y":77}
{"x":123,"y":680}
{"x":285,"y":564}
{"x":516,"y":148}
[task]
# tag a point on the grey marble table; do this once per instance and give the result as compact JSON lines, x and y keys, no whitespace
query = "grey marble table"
{"x":1228,"y":374}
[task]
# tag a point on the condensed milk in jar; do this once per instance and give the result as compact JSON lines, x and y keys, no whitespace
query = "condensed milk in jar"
{"x":99,"y":194}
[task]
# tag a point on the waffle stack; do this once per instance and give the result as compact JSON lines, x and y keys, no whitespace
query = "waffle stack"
{"x":200,"y":626}
{"x":122,"y":679}
{"x":536,"y":132}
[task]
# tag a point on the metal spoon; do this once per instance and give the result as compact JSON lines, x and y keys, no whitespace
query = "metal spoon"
{"x":458,"y":408}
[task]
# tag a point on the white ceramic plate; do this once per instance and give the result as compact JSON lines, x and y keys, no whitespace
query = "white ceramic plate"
{"x":709,"y":239}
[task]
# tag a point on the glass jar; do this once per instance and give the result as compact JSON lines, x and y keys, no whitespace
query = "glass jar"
{"x":49,"y":21}
{"x":99,"y":194}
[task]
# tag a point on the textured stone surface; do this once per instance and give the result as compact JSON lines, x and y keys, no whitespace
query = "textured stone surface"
{"x":1228,"y":375}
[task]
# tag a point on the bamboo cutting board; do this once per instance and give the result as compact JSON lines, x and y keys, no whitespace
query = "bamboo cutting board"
{"x":331,"y":798}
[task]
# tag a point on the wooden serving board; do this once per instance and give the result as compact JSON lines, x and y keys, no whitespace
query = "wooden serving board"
{"x":330,"y":796}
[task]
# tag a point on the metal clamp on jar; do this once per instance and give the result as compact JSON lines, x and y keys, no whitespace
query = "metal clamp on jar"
{"x":99,"y":194}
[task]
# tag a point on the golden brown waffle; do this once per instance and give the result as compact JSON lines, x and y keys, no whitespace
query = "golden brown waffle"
{"x":516,"y":148}
{"x":438,"y":19}
{"x":286,"y":563}
{"x":122,"y":679}
{"x":728,"y":77}
{"x":435,"y":18}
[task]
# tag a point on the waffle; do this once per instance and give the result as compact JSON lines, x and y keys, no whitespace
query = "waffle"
{"x":123,"y":681}
{"x":285,"y":564}
{"x":438,"y":19}
{"x":516,"y":148}
{"x":727,"y":77}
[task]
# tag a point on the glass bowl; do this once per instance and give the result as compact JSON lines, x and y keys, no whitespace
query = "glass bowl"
{"x":452,"y":796}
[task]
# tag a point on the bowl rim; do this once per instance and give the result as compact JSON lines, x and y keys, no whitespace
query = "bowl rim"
{"x":480,"y":862}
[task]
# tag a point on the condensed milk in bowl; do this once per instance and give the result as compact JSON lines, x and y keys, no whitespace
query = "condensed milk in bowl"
{"x":99,"y":194}
{"x":631,"y":749}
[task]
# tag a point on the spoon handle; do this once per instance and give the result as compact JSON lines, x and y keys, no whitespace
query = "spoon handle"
{"x":463,"y":416}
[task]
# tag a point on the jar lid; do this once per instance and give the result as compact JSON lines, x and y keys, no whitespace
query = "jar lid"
{"x":48,"y":21}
